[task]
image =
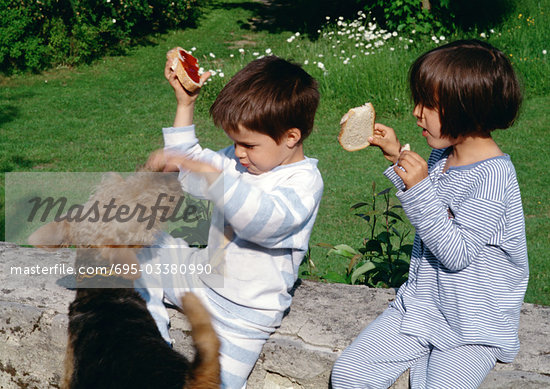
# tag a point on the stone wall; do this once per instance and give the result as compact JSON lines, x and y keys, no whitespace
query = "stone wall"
{"x":323,"y":320}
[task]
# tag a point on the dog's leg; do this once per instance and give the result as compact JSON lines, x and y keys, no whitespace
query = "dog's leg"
{"x":69,"y":365}
{"x":205,"y":373}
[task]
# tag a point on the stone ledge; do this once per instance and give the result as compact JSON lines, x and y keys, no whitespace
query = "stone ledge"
{"x":323,"y":320}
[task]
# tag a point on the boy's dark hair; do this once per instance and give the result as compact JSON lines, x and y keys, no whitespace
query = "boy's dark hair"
{"x":472,"y":85}
{"x":270,"y":96}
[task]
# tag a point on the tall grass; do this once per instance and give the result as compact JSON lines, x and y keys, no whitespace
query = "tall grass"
{"x":107,"y":116}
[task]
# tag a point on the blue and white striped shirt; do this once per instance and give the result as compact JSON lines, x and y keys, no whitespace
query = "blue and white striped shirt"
{"x":262,"y":221}
{"x":469,"y":267}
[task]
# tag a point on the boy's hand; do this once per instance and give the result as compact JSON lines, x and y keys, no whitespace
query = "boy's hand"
{"x":182,"y":96}
{"x":385,"y":138}
{"x":163,"y":161}
{"x":186,"y":100}
{"x":157,"y":162}
{"x":415,"y":168}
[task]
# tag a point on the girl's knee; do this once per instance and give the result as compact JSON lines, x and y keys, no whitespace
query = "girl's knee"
{"x":347,"y":374}
{"x":355,"y":370}
{"x":338,"y":376}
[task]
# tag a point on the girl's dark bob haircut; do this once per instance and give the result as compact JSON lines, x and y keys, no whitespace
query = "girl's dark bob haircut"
{"x":269,"y":95}
{"x":472,"y":85}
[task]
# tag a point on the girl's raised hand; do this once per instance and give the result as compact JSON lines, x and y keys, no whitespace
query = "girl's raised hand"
{"x":385,"y":138}
{"x":411,"y":167}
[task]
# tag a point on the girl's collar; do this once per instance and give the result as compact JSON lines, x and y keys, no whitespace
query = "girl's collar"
{"x":448,"y":151}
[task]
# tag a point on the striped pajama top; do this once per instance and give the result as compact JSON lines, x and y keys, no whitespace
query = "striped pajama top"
{"x":263,"y":223}
{"x":469,"y":269}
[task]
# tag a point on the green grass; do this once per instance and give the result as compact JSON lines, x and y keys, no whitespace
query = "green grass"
{"x":107,"y":116}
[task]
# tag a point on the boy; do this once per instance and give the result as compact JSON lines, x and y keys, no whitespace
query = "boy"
{"x":266,"y":194}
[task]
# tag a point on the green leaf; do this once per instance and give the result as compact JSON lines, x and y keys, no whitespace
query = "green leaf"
{"x":384,"y":237}
{"x":363,"y":216}
{"x":399,"y":276}
{"x":387,"y":190}
{"x":396,"y":232}
{"x":367,"y":266}
{"x":359,"y":205}
{"x":384,"y":267}
{"x":407,"y":249}
{"x":393,"y":214}
{"x":401,"y":265}
{"x":373,"y":245}
{"x":344,"y":250}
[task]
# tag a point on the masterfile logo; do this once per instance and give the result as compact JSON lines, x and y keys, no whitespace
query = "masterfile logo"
{"x":35,"y":199}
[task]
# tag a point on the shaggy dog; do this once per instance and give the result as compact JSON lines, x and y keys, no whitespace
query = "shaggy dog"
{"x":149,"y":199}
{"x":113,"y":339}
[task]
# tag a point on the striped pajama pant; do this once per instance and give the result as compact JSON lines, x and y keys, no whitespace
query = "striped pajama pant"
{"x":241,"y":341}
{"x":380,"y":354}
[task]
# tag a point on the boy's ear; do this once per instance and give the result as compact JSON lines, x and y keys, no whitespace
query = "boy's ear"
{"x":293,"y":137}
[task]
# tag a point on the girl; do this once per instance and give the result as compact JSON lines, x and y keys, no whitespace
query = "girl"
{"x":458,"y":313}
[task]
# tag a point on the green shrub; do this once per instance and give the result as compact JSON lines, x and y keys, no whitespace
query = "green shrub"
{"x":21,"y":33}
{"x":409,"y":15}
{"x":383,"y":260}
{"x":438,"y":16}
{"x":35,"y":35}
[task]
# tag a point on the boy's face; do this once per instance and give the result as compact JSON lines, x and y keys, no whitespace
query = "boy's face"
{"x":259,"y":153}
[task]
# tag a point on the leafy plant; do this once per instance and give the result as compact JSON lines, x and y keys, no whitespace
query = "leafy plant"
{"x":383,"y":260}
{"x":35,"y":35}
{"x":198,"y":215}
{"x":435,"y":17}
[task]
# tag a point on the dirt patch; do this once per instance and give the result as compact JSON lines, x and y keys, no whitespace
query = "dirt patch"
{"x":242,"y":41}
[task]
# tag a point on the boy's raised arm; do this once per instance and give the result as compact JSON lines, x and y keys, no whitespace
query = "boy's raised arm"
{"x":185,"y":100}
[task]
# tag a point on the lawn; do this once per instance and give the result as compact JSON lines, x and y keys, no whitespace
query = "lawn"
{"x":107,"y":116}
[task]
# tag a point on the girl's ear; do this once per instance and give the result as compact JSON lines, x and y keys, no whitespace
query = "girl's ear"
{"x":293,"y":137}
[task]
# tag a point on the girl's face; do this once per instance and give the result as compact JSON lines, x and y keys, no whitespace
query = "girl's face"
{"x":428,"y":120}
{"x":259,"y":153}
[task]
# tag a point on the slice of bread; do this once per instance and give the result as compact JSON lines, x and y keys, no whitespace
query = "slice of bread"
{"x":356,"y":126}
{"x":186,"y":68}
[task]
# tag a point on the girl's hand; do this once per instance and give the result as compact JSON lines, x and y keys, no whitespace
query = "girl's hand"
{"x":385,"y":138}
{"x":416,"y":168}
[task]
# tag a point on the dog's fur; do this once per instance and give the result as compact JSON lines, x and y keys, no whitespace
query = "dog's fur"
{"x":113,"y":339}
{"x":139,"y":189}
{"x":114,"y":343}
